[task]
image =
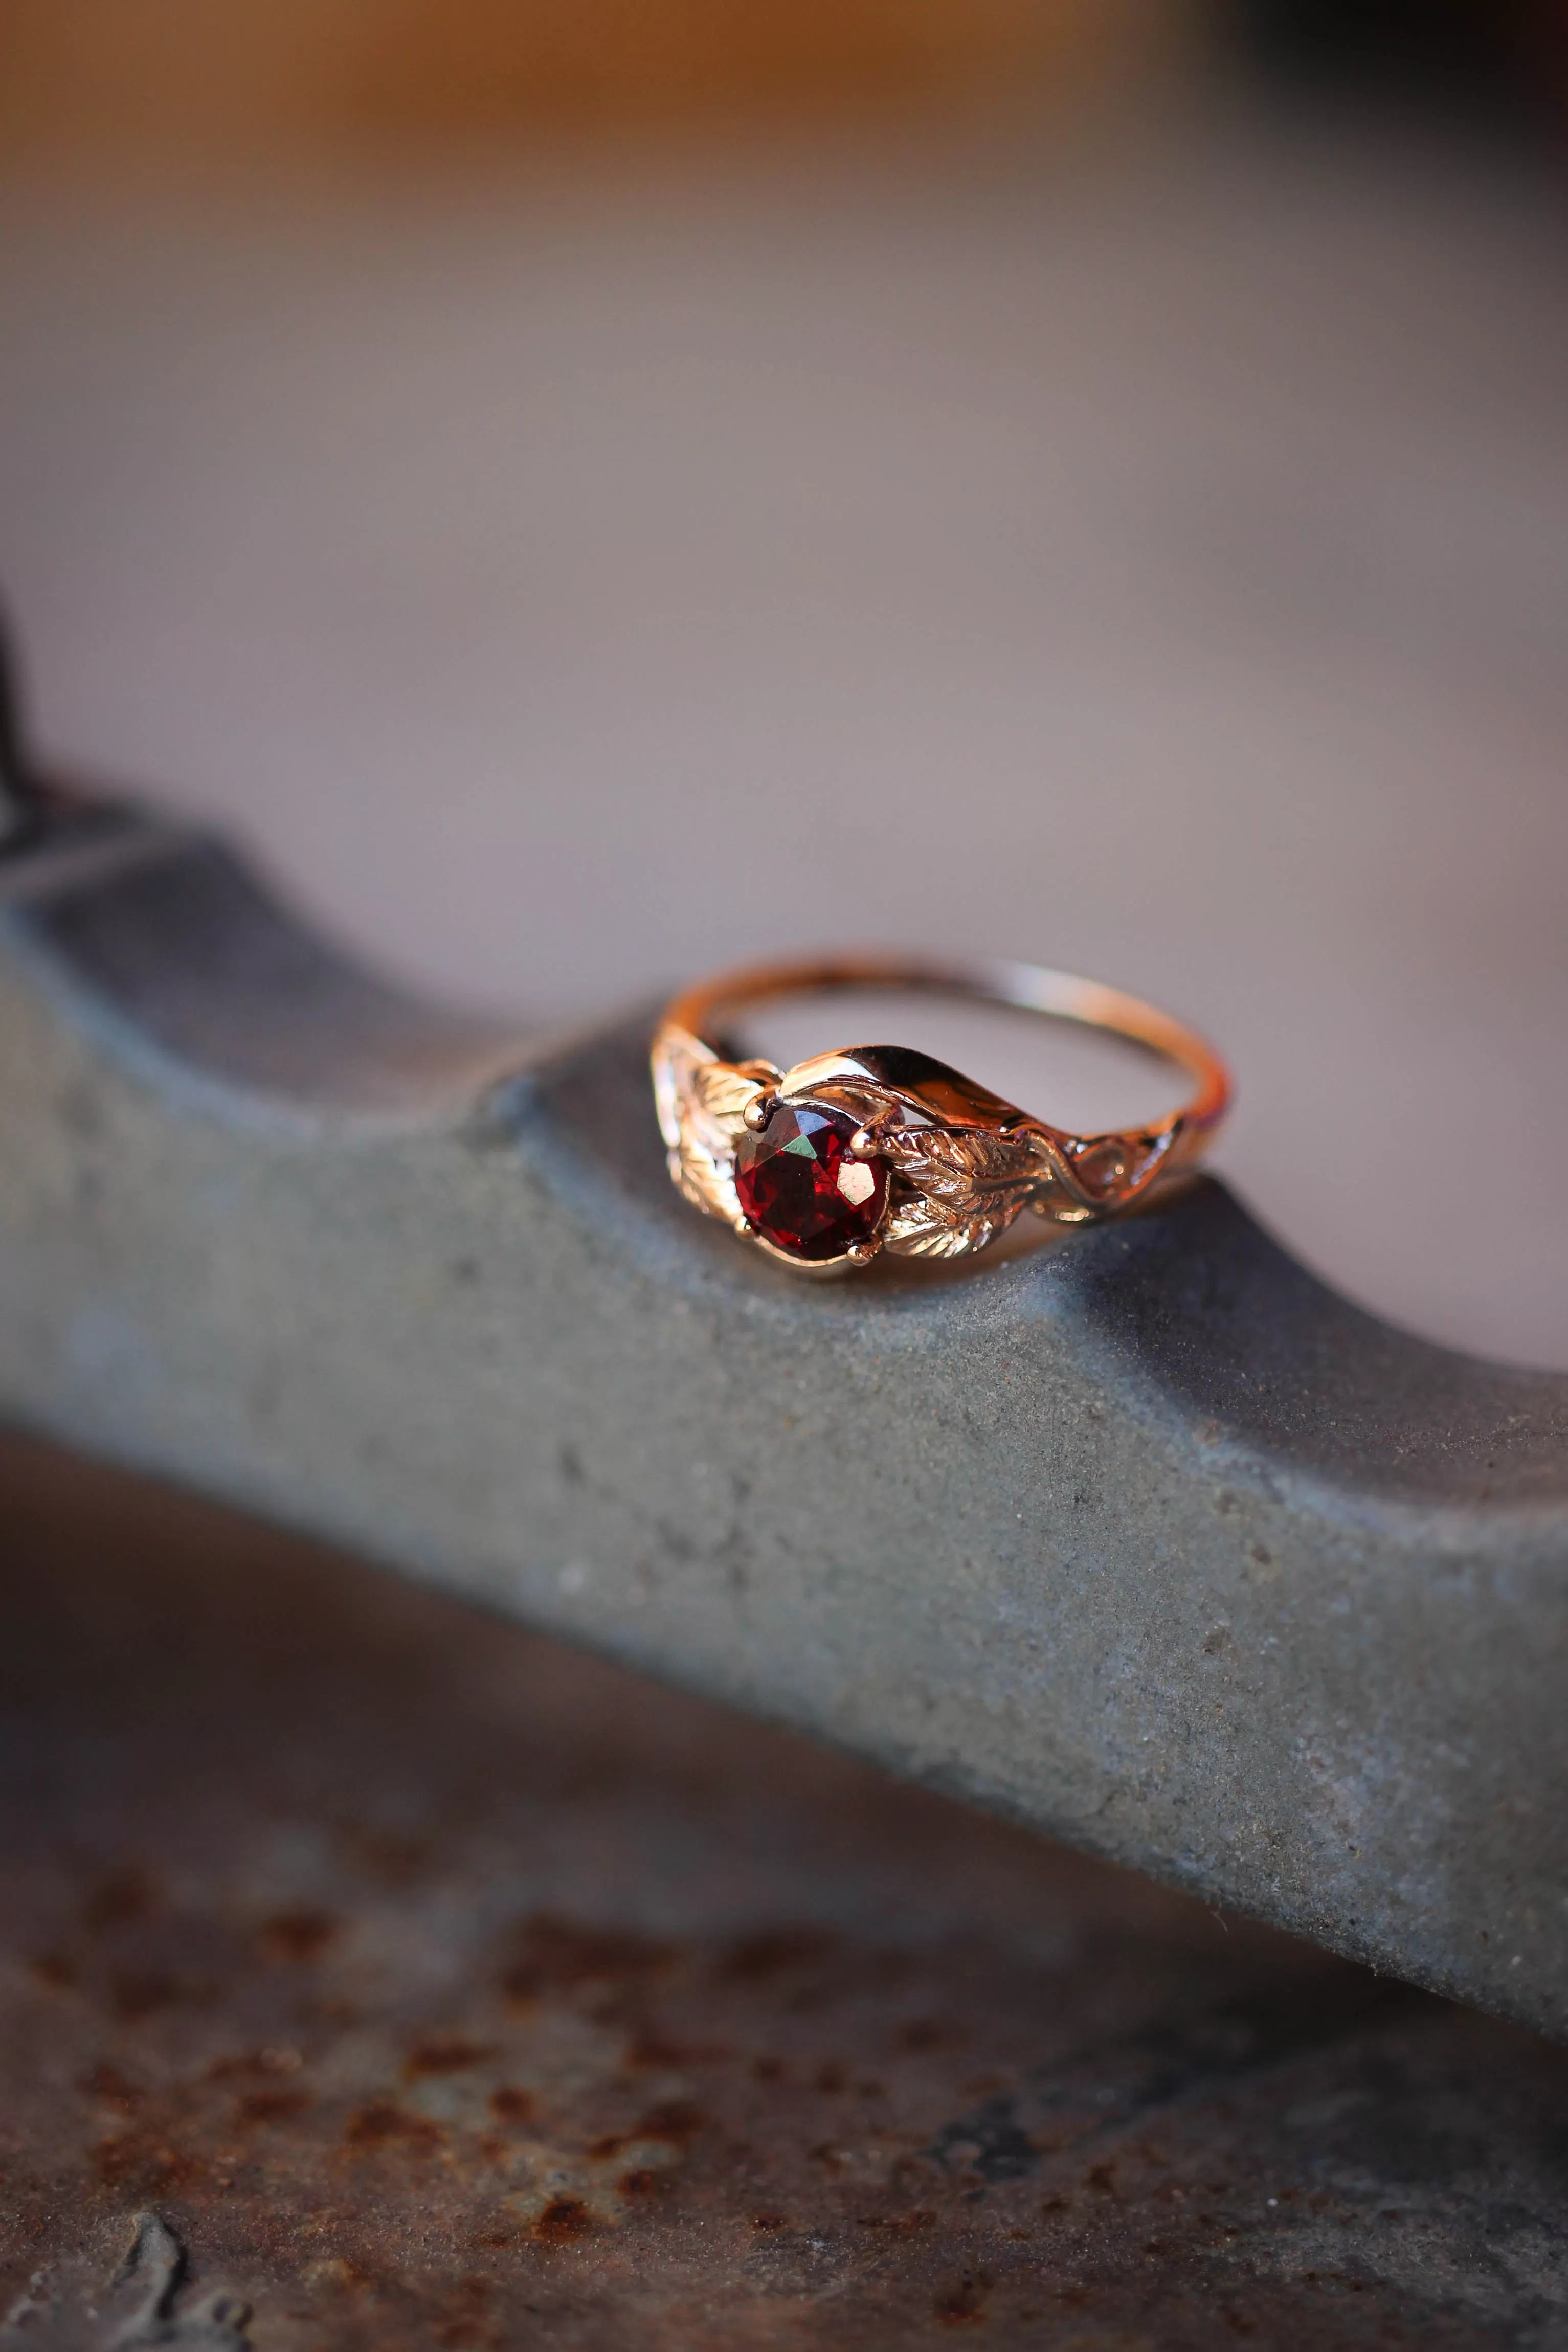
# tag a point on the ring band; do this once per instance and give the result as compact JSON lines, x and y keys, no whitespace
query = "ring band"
{"x":880,"y":1147}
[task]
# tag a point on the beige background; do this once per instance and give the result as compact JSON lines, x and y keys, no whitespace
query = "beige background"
{"x":1152,"y":560}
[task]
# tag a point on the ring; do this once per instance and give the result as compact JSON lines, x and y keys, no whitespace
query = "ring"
{"x":879,"y":1147}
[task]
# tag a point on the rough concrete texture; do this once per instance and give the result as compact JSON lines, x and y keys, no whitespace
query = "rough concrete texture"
{"x":1145,"y":1539}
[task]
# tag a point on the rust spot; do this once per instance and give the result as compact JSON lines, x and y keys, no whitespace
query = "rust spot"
{"x":382,"y":2125}
{"x":769,"y":2069}
{"x":769,"y":2221}
{"x":564,"y":2220}
{"x":55,"y":1971}
{"x":270,"y":2106}
{"x":928,"y":2033}
{"x":337,"y":2016}
{"x":510,"y":2106}
{"x":396,"y":1858}
{"x":903,"y":2225}
{"x":124,"y":1895}
{"x":1055,"y":2205}
{"x":642,"y":2182}
{"x":298,"y":1936}
{"x":1102,"y":2177}
{"x":562,"y":1955}
{"x":446,"y":2053}
{"x":963,"y":2305}
{"x":757,"y":1957}
{"x":136,"y":1993}
{"x":651,"y":2049}
{"x":677,"y":2120}
{"x":147,"y":2166}
{"x":107,"y":2083}
{"x":247,"y":2063}
{"x":832,"y":2077}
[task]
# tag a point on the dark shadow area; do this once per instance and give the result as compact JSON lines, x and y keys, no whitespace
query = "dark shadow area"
{"x":1500,"y":64}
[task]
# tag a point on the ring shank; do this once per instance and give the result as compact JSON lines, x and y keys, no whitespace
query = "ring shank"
{"x":1025,"y":987}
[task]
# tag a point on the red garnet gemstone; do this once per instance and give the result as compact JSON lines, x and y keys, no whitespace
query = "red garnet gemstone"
{"x":803,"y":1189}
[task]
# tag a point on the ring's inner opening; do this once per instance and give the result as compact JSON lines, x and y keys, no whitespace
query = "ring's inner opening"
{"x":1082,"y":1080}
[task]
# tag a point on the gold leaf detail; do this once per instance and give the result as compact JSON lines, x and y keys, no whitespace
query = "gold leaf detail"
{"x":719,"y":1093}
{"x":969,"y":1185}
{"x":706,"y":1177}
{"x":918,"y":1228}
{"x":701,"y":1103}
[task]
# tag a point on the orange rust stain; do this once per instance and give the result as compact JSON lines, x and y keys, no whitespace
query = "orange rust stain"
{"x":677,"y":2120}
{"x":510,"y":2106}
{"x":642,"y":2180}
{"x":298,"y":1936}
{"x":270,"y":2106}
{"x":148,"y":2167}
{"x":446,"y":2053}
{"x":564,"y":2220}
{"x":928,"y":2033}
{"x":135,"y":1993}
{"x":124,"y":1895}
{"x":757,"y":1957}
{"x":382,"y":2125}
{"x":963,"y":2305}
{"x":657,"y":2050}
{"x":395,"y":1858}
{"x":107,"y":2083}
{"x":559,"y":1956}
{"x":244,"y":2065}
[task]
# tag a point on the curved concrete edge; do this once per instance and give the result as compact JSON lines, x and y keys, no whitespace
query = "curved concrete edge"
{"x":1146,"y":1539}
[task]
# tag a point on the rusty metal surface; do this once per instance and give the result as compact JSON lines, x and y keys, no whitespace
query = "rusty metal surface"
{"x":373,"y":1973}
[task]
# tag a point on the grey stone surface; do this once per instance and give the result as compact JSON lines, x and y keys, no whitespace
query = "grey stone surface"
{"x":1145,"y":1538}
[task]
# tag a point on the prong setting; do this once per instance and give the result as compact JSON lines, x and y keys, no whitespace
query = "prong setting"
{"x":758,"y":1112}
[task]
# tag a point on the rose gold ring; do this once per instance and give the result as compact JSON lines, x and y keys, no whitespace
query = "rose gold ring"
{"x":878,"y":1148}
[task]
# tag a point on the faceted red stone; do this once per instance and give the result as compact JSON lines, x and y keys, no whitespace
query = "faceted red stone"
{"x":803,"y":1189}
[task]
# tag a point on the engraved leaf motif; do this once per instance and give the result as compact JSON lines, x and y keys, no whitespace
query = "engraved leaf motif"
{"x":701,"y":1103}
{"x":967,"y":1171}
{"x":706,"y":1177}
{"x":969,"y":1185}
{"x":719,"y":1093}
{"x":918,"y":1228}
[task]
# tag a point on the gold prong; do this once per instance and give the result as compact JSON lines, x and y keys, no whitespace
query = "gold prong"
{"x":864,"y":1143}
{"x":757,"y":1113}
{"x":862,"y":1253}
